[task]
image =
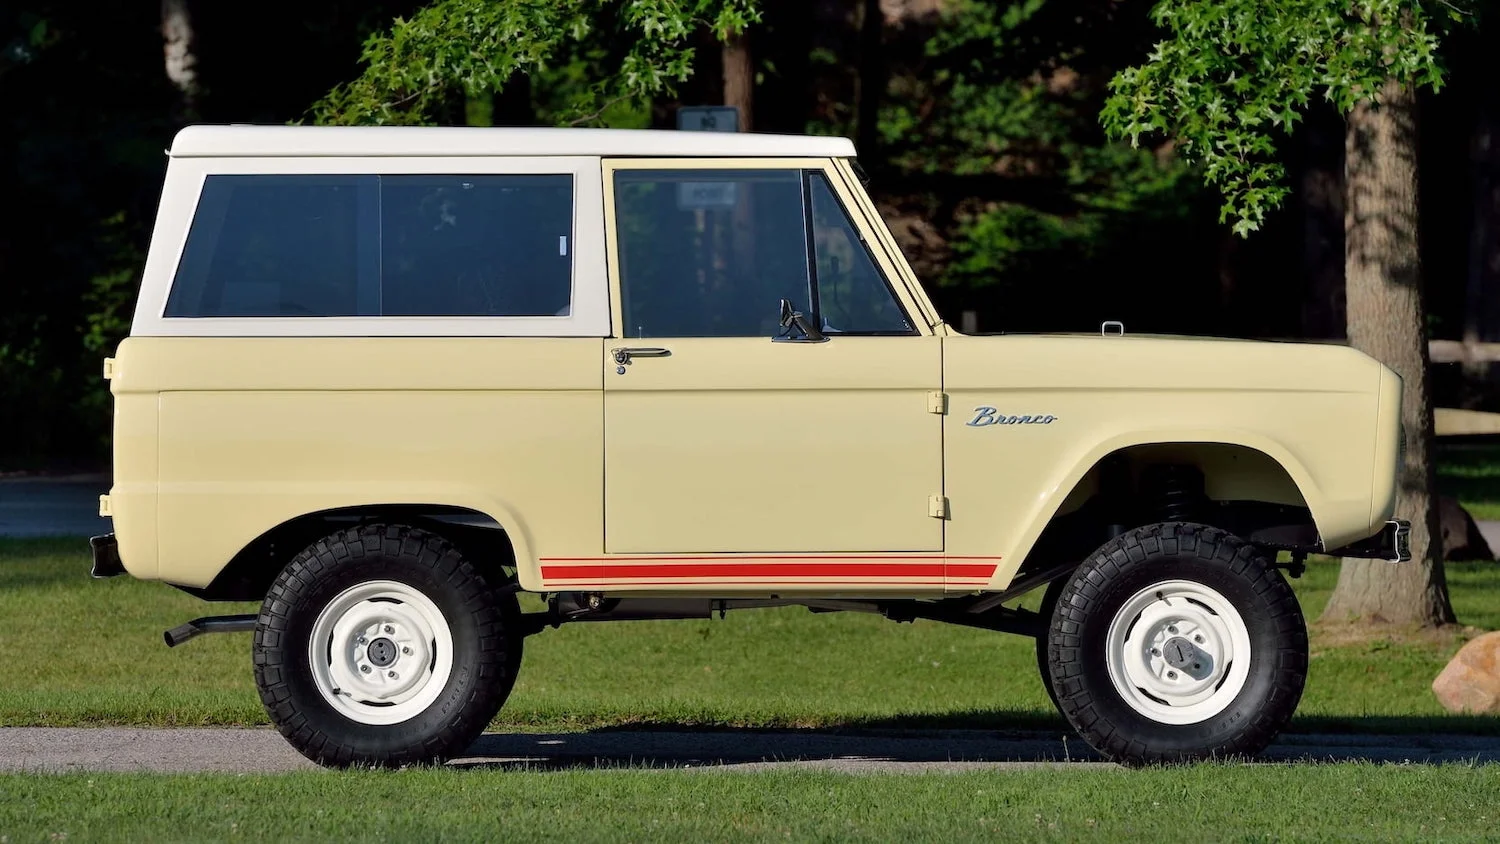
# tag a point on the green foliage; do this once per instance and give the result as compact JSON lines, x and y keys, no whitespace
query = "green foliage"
{"x":1231,"y":78}
{"x":1041,"y":193}
{"x":1112,"y":190}
{"x":475,"y":46}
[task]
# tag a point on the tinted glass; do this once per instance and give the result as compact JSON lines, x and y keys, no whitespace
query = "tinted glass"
{"x":273,"y":246}
{"x":265,"y":246}
{"x":853,"y":296}
{"x":476,"y":245}
{"x":710,"y":253}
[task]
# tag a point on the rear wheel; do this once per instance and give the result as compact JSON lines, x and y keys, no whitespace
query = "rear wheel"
{"x":1177,"y":642}
{"x":382,"y":646}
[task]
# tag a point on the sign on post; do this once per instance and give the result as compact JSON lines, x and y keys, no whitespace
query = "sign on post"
{"x":694,"y":195}
{"x":708,"y":118}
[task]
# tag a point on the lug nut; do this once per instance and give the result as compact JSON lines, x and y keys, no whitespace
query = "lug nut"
{"x":365,"y":669}
{"x":360,"y":641}
{"x":1172,"y":629}
{"x":405,"y":650}
{"x":1156,"y":651}
{"x":1198,"y":639}
{"x":1171,"y":675}
{"x":390,"y":629}
{"x":391,"y":674}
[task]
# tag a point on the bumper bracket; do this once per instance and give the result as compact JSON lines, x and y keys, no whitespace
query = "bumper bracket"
{"x":1392,"y":544}
{"x":106,"y":556}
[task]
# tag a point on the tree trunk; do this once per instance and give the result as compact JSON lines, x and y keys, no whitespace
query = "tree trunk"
{"x":739,"y":77}
{"x":181,"y":57}
{"x":1387,"y":320}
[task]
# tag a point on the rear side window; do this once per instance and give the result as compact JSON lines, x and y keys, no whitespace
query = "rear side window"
{"x":366,"y":245}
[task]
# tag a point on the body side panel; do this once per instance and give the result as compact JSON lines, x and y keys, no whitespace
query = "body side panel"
{"x":254,"y":432}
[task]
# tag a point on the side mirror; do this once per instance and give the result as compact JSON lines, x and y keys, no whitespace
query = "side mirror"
{"x":793,"y":320}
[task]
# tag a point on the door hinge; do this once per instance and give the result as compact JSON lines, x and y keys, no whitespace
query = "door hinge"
{"x":937,"y":401}
{"x":109,"y":368}
{"x":937,"y":506}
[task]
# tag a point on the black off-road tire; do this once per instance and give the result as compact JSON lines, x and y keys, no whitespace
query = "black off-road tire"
{"x":482,"y":622}
{"x":1157,"y":554}
{"x":1044,"y":615}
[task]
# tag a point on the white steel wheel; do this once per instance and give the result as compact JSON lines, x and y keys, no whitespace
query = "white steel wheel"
{"x":1176,"y":642}
{"x":1178,"y":652}
{"x":380,"y":652}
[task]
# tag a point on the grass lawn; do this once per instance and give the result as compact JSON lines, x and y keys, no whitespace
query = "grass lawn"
{"x":79,"y":651}
{"x":1212,"y":802}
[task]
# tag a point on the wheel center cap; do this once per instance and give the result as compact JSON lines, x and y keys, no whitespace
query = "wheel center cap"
{"x":382,"y":652}
{"x":1180,"y":653}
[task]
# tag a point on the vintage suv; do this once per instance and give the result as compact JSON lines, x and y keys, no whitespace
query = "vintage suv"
{"x":383,"y":379}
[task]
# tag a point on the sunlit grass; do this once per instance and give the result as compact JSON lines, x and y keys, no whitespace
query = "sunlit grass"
{"x":80,"y":651}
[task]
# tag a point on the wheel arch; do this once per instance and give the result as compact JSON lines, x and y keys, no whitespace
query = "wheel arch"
{"x":490,"y":544}
{"x":1236,"y":467}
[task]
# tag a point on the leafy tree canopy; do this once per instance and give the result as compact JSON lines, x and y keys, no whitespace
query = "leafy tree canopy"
{"x":1231,"y":74}
{"x":476,"y":45}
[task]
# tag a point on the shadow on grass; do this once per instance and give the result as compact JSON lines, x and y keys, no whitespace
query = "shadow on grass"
{"x":976,"y":737}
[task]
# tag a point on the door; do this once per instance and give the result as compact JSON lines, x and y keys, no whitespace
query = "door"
{"x":727,"y":433}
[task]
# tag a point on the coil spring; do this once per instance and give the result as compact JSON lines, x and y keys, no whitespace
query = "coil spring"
{"x":1173,"y":493}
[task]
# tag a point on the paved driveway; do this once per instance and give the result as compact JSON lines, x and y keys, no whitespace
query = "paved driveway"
{"x":53,"y":506}
{"x":261,"y":750}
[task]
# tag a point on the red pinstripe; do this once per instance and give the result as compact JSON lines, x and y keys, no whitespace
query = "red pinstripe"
{"x":851,"y":569}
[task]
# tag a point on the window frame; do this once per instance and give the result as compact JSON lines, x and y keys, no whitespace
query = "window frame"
{"x":857,"y":214}
{"x":864,"y":243}
{"x":589,"y":314}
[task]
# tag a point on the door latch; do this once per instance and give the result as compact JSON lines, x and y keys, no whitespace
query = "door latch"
{"x":623,"y":356}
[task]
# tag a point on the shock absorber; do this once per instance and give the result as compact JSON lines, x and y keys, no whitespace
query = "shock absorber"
{"x":1173,"y":493}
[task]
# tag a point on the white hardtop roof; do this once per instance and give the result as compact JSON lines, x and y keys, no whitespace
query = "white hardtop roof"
{"x":237,"y":141}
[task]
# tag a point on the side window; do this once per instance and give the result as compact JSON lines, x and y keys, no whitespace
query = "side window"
{"x":263,"y":246}
{"x":476,"y":245}
{"x":366,"y":245}
{"x":710,"y":253}
{"x":853,"y":297}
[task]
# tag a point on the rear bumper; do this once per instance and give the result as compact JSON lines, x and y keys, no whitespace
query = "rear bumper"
{"x":106,"y":556}
{"x":1392,"y":544}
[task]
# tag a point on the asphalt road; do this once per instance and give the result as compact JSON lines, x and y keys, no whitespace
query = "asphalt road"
{"x":43,"y":749}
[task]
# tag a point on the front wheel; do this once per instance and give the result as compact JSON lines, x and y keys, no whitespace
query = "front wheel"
{"x":382,"y":646}
{"x":1177,"y":642}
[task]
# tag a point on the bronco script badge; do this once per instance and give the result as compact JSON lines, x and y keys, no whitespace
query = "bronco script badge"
{"x":989,"y":416}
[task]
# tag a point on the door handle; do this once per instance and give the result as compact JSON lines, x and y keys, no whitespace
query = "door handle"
{"x":624,"y":356}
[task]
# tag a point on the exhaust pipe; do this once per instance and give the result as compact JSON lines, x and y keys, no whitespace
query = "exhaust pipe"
{"x":210,"y":624}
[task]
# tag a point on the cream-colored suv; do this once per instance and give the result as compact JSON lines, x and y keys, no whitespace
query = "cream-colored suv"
{"x":382,"y":379}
